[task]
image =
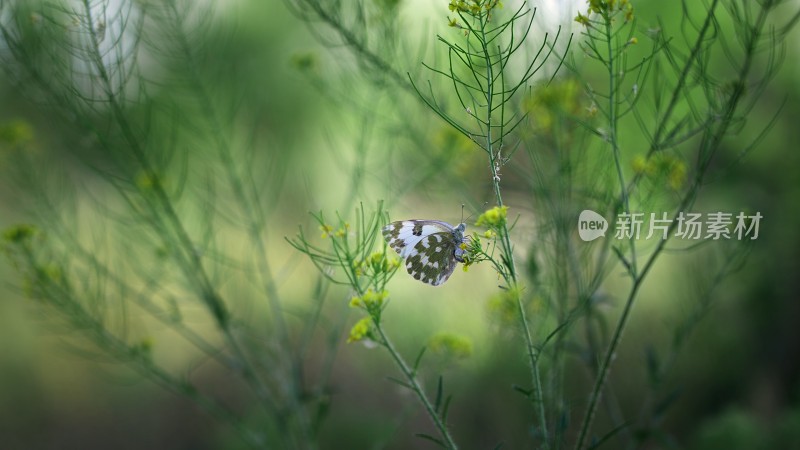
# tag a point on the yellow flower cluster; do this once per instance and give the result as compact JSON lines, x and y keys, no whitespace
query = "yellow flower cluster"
{"x":327,"y":231}
{"x":145,"y":181}
{"x":493,"y":218}
{"x":601,"y":6}
{"x":558,"y":98}
{"x":606,"y":7}
{"x":662,"y":166}
{"x":370,"y":300}
{"x":15,"y":133}
{"x":503,"y":307}
{"x":360,"y":330}
{"x":144,"y":347}
{"x":474,"y":7}
{"x":450,"y":345}
{"x":376,"y":263}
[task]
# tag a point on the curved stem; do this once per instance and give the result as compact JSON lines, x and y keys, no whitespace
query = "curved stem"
{"x":414,"y":385}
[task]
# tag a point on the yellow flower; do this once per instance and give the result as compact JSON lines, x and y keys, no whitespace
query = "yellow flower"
{"x":547,"y":104}
{"x":378,"y":262}
{"x":376,"y":259}
{"x":503,"y":307}
{"x":458,"y":5}
{"x":360,"y":330}
{"x":16,"y":133}
{"x":374,"y":299}
{"x":581,"y":19}
{"x":450,"y":345}
{"x":145,"y":345}
{"x":494,"y":217}
{"x":662,"y":167}
{"x":326,"y":230}
{"x":371,"y":300}
{"x":639,"y":164}
{"x":145,"y":181}
{"x":677,"y":175}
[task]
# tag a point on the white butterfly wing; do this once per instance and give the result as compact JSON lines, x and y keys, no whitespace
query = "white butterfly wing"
{"x":403,"y":235}
{"x":429,"y":247}
{"x":433,"y":259}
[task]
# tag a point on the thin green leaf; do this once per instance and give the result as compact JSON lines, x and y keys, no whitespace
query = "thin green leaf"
{"x":526,"y":392}
{"x":446,"y":408}
{"x":401,"y":383}
{"x":432,"y":439}
{"x":607,"y":436}
{"x":439,"y":392}
{"x":418,"y":360}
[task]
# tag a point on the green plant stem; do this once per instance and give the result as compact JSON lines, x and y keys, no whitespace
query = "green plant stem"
{"x":414,"y":385}
{"x":612,"y":125}
{"x":605,"y":367}
{"x":359,"y":46}
{"x":656,"y":144}
{"x":63,"y":298}
{"x":252,"y":210}
{"x":711,"y":142}
{"x":198,"y":272}
{"x":533,"y":353}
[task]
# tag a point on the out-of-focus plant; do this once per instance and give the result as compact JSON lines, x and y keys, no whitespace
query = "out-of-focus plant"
{"x":138,"y":220}
{"x":628,"y":128}
{"x":580,"y":133}
{"x":350,"y":260}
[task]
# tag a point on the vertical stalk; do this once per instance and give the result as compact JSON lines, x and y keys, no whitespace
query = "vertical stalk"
{"x":612,"y":127}
{"x":252,"y":210}
{"x":494,"y":164}
{"x":711,"y":142}
{"x":195,"y":270}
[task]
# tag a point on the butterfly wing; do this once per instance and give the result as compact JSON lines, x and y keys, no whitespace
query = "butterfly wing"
{"x":432,"y":260}
{"x":403,"y":235}
{"x":428,"y":247}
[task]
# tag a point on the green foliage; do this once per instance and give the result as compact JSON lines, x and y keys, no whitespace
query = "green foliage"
{"x":166,"y":209}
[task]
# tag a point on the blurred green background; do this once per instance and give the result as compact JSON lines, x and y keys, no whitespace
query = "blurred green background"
{"x":735,"y":385}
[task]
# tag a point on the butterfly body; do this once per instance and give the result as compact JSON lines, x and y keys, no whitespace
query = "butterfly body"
{"x":431,"y":248}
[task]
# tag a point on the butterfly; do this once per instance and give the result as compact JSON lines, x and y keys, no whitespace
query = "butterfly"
{"x":430,"y":248}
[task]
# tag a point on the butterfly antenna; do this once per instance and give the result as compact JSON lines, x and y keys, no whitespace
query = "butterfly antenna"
{"x":468,"y":217}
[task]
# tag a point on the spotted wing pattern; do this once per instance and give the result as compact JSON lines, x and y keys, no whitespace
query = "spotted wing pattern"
{"x":428,"y":246}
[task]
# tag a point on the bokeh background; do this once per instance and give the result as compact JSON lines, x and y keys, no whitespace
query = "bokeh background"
{"x":325,"y":138}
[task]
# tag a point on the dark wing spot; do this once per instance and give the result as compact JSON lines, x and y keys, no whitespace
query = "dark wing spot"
{"x":441,"y":256}
{"x":417,"y":231}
